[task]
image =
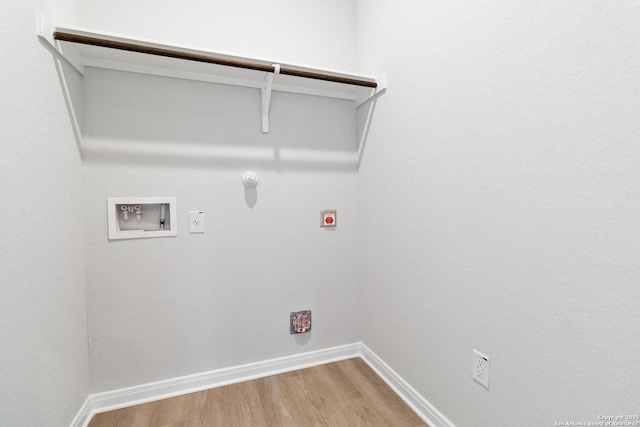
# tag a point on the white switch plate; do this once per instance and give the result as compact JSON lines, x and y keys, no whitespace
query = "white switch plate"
{"x":196,"y":221}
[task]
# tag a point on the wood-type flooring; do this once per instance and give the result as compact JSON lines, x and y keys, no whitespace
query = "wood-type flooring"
{"x":341,"y":394}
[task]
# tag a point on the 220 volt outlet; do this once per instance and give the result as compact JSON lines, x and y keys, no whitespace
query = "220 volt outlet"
{"x":480,"y":371}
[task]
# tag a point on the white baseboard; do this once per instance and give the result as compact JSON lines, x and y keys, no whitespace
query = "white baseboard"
{"x":84,"y":414}
{"x":415,"y":400}
{"x":130,"y":396}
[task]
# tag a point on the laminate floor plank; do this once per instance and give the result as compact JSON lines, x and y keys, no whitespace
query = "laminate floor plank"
{"x":342,"y":394}
{"x":389,"y":408}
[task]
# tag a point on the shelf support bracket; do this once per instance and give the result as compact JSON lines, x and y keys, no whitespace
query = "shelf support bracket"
{"x":45,"y":35}
{"x":375,"y":94}
{"x":368,"y":105}
{"x":266,"y":97}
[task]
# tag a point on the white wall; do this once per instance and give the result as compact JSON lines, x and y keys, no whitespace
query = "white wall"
{"x":43,"y":329}
{"x":319,"y":33}
{"x":161,"y":308}
{"x":496,"y":207}
{"x":504,"y":159}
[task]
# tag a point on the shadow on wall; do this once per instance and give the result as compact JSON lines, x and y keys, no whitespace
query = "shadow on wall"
{"x":250,"y":196}
{"x":130,"y":118}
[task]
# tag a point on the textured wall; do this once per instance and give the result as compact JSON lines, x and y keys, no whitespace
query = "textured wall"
{"x":504,"y":159}
{"x":319,"y":33}
{"x":167,"y":307}
{"x":497,"y":206}
{"x":43,"y":329}
{"x":161,"y":308}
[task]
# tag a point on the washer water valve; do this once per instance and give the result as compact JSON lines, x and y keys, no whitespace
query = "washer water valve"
{"x":141,"y":217}
{"x":127,"y":209}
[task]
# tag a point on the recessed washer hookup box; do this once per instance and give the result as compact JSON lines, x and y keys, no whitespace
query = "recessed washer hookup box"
{"x":141,"y":217}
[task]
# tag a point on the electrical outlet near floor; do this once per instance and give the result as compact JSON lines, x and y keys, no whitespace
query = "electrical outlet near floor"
{"x":481,"y":369}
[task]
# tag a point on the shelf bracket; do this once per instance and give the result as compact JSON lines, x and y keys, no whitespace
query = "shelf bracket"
{"x":266,"y":97}
{"x":45,"y":34}
{"x":380,"y":90}
{"x":368,"y":105}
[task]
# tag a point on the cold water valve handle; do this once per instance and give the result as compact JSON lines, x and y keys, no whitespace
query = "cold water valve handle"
{"x":125,"y":212}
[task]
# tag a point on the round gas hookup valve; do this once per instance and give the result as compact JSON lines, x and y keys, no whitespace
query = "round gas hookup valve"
{"x":250,"y":179}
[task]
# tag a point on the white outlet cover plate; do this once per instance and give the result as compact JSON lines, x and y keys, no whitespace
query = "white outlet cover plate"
{"x":480,"y":372}
{"x":196,"y":221}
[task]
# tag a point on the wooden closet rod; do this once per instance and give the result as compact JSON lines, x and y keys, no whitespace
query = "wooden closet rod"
{"x":209,"y":59}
